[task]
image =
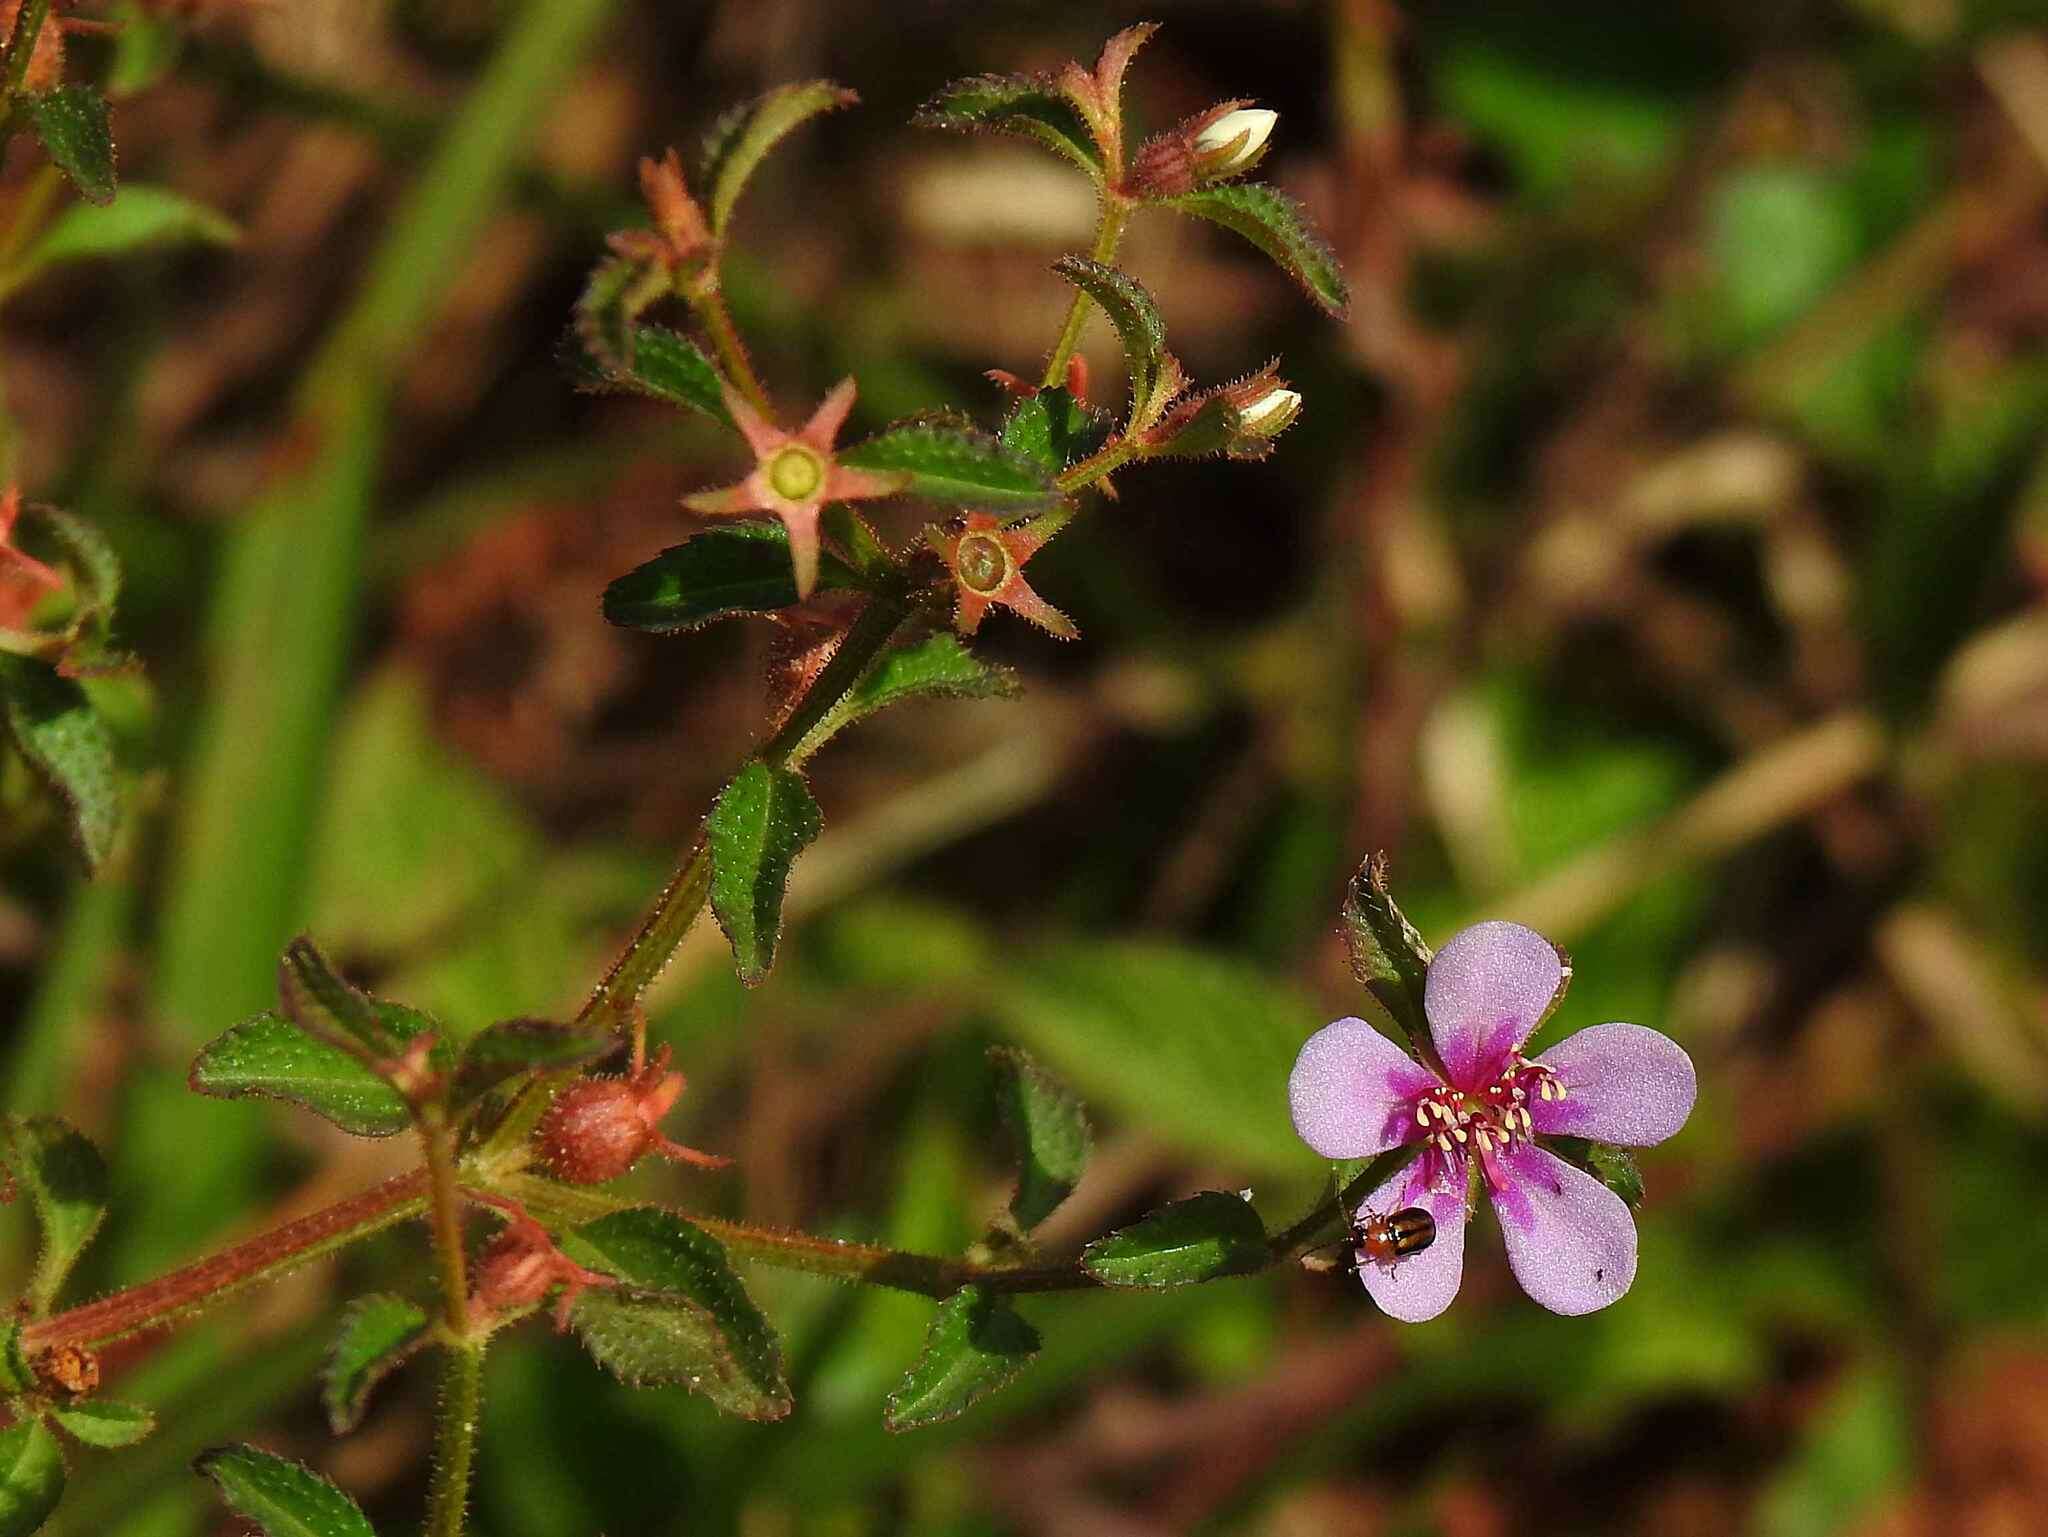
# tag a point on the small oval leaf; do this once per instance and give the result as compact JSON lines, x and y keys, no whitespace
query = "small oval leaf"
{"x":271,"y":1058}
{"x":67,"y":1181}
{"x":64,"y":740}
{"x":1271,"y":221}
{"x":104,"y":1422}
{"x":379,"y":1334}
{"x":665,"y":365}
{"x":760,"y":823}
{"x":733,"y":569}
{"x":956,"y":465}
{"x":1050,"y":1129}
{"x":1203,"y":1238}
{"x":975,"y":1345}
{"x":284,"y":1499}
{"x":73,"y":124}
{"x":31,"y":1477}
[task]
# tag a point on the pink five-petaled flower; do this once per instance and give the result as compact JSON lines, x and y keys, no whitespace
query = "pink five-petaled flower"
{"x":987,"y":561}
{"x":795,"y":475}
{"x":1570,"y":1240}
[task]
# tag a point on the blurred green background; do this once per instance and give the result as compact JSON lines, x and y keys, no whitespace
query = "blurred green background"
{"x":1660,"y":561}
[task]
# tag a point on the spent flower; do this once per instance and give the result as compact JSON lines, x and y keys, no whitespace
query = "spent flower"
{"x":1479,"y":1114}
{"x":987,"y":561}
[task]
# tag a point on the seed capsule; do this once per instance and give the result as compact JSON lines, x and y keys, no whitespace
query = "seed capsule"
{"x":1384,"y":1239}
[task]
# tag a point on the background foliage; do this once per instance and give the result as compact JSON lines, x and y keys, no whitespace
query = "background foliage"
{"x":1659,"y":561}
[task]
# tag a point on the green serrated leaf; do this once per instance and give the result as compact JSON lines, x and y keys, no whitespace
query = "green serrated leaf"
{"x":317,"y":999}
{"x":1053,"y":429}
{"x":1271,"y":221}
{"x":31,"y":1477}
{"x":73,"y":124}
{"x":744,"y":136}
{"x":976,"y":1344}
{"x":142,"y":217}
{"x":760,"y":823}
{"x":379,"y":1334}
{"x":665,"y":365}
{"x":732,"y":569}
{"x":1203,"y":1238}
{"x":1134,"y":314}
{"x":284,"y":1499}
{"x":105,"y":1422}
{"x":608,"y":311}
{"x":62,"y":737}
{"x":682,"y":1316}
{"x":955,"y":465}
{"x":937,"y":667}
{"x":503,"y":1051}
{"x":1021,"y":104}
{"x":1050,"y":1130}
{"x":269,"y":1057}
{"x":67,"y":1182}
{"x":1388,"y":955}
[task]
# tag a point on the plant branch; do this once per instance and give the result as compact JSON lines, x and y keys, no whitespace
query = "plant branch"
{"x":184,"y":1293}
{"x":1107,"y":233}
{"x":445,"y":1213}
{"x":455,"y":1432}
{"x":20,"y":46}
{"x":732,"y":352}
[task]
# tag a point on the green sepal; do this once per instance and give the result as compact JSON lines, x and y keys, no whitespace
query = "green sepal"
{"x":1615,"y":1167}
{"x":61,"y":736}
{"x":977,"y":1343}
{"x":727,"y":571}
{"x":31,"y":1477}
{"x":1202,"y":1238}
{"x":1388,"y":955}
{"x":66,"y":1180}
{"x":379,"y":1333}
{"x":1028,"y":105}
{"x":269,"y":1057}
{"x":283,"y":1499}
{"x":680,"y":1316}
{"x":946,"y":461}
{"x":1275,"y":224}
{"x":741,"y":139}
{"x":76,"y":130}
{"x":759,"y":824}
{"x":105,"y":1422}
{"x":1049,"y":1129}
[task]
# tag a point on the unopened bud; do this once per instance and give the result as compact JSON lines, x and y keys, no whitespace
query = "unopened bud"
{"x":1233,"y":141}
{"x":1270,"y":414}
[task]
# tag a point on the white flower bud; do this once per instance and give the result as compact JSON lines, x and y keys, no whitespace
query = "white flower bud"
{"x":1271,"y":412}
{"x":1254,"y":125}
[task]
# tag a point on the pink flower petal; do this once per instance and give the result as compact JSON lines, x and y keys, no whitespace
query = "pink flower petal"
{"x":1623,"y":1083}
{"x":1353,"y":1091}
{"x":1571,"y":1241}
{"x":726,"y":501}
{"x":822,"y":430}
{"x":1417,"y":1287}
{"x":762,"y":435}
{"x":1485,"y":992}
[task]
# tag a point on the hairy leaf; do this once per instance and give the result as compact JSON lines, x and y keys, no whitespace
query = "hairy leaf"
{"x":67,"y":1182}
{"x":760,"y":823}
{"x":105,"y":1422}
{"x":1136,"y":318}
{"x":268,"y":1056}
{"x":744,"y":136}
{"x":503,"y":1051}
{"x":1050,"y":1130}
{"x":31,"y":1477}
{"x":1206,"y":1236}
{"x":1388,"y":956}
{"x":142,"y":217}
{"x":682,"y":1315}
{"x":1019,"y":104}
{"x":284,"y":1499}
{"x":976,"y":1344}
{"x":73,"y":124}
{"x":320,"y":1002}
{"x":64,"y":740}
{"x":955,"y":465}
{"x":660,"y":363}
{"x":937,"y":667}
{"x":379,"y":1334}
{"x":1053,"y":429}
{"x":735,"y":568}
{"x":1271,"y":221}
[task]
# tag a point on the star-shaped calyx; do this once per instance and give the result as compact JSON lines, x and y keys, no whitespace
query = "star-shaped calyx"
{"x":795,"y":475}
{"x":987,"y":561}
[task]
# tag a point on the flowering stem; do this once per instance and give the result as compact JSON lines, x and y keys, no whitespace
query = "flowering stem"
{"x":184,"y":1293}
{"x":445,"y":1207}
{"x":732,"y":352}
{"x":455,"y":1431}
{"x":1111,"y":230}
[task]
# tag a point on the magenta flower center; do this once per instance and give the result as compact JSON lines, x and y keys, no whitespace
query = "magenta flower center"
{"x":1491,"y":1119}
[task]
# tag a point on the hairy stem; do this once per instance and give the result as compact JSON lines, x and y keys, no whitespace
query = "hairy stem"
{"x":445,"y":1208}
{"x":732,"y":352}
{"x":1107,"y":234}
{"x":20,"y":46}
{"x":455,"y":1431}
{"x":184,"y":1293}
